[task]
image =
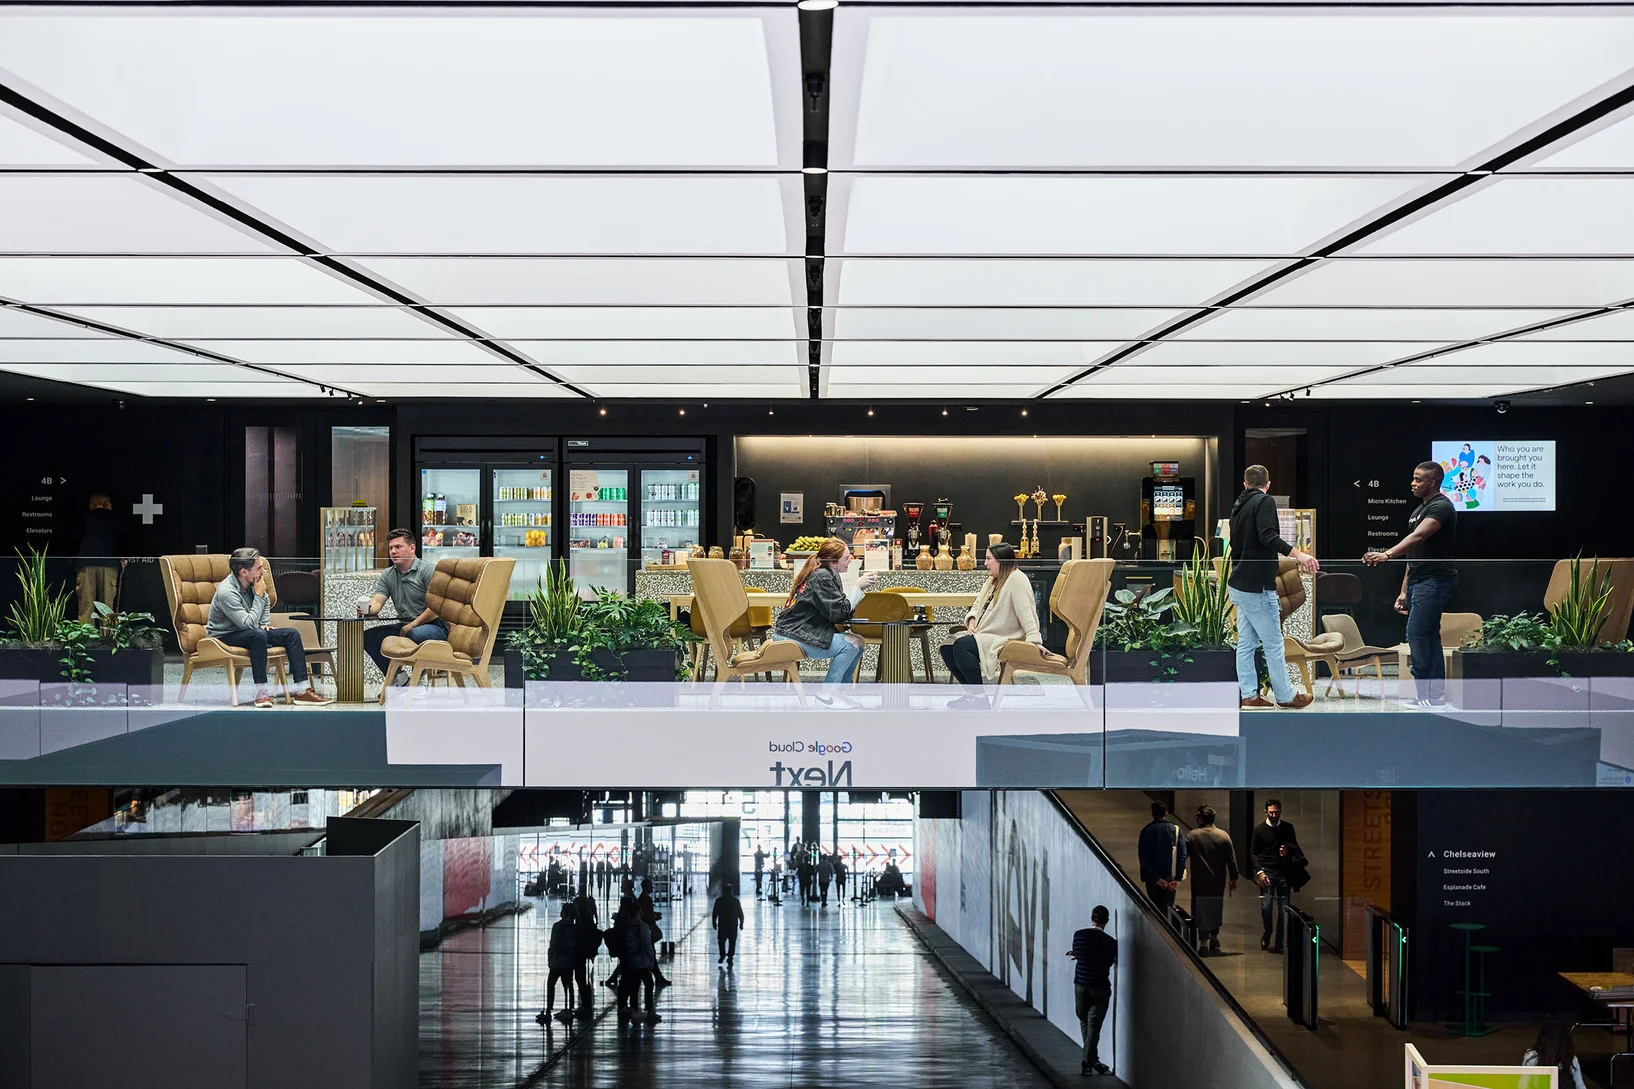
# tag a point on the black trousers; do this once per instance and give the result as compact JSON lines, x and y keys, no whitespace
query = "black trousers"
{"x":727,"y":943}
{"x":1092,"y":1001}
{"x":758,"y":875}
{"x":963,"y":659}
{"x":255,"y":641}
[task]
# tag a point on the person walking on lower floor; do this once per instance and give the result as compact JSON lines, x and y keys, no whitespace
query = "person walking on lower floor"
{"x":404,"y":582}
{"x":561,"y":957}
{"x":241,"y":617}
{"x":1429,"y":581}
{"x":727,"y":918}
{"x":760,"y":870}
{"x":1213,"y":861}
{"x":1095,"y":952}
{"x":1162,"y":849}
{"x":825,"y":877}
{"x":1279,"y":870}
{"x":1256,"y":542}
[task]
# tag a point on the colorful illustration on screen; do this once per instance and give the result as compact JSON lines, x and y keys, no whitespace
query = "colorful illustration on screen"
{"x":1467,"y":469}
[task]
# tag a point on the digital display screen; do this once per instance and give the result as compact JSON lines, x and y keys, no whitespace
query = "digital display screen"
{"x":1165,"y":468}
{"x":1168,"y":503}
{"x":1497,"y":475}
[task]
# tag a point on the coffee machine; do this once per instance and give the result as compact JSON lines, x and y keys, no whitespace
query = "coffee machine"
{"x":1168,"y":512}
{"x":910,"y":552}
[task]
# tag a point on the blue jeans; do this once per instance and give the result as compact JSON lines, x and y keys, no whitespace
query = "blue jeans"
{"x":1259,"y":624}
{"x":840,"y":652}
{"x":374,"y":637}
{"x":1426,"y":601}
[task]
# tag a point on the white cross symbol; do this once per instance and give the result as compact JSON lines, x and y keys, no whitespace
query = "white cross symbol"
{"x":147,"y":508}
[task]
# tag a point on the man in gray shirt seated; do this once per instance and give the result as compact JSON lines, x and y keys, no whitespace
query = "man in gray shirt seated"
{"x":240,"y":617}
{"x":404,"y":582}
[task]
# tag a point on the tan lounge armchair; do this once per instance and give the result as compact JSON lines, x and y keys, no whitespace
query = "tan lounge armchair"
{"x":720,"y":603}
{"x":1354,"y":653}
{"x":469,"y":596}
{"x":319,"y":658}
{"x":1300,"y":653}
{"x":190,"y":583}
{"x":1079,"y":598}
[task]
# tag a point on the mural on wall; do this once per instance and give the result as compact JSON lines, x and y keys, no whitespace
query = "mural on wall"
{"x":975,"y":848}
{"x":1023,"y":909}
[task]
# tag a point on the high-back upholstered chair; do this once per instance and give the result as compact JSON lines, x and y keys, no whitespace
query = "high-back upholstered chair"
{"x":190,"y":583}
{"x":469,"y":596}
{"x":719,"y":601}
{"x":1300,"y":653}
{"x":1621,"y":606}
{"x":1079,"y":598}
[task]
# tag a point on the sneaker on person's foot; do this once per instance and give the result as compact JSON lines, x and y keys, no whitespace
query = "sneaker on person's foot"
{"x":401,"y":680}
{"x":1214,"y":948}
{"x":1301,"y":699}
{"x":1101,"y":1068}
{"x":263,"y":698}
{"x":1257,"y":703}
{"x":653,"y":1019}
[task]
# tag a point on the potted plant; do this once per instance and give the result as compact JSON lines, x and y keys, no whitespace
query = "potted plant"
{"x":1564,"y":644}
{"x":1167,"y":635}
{"x":46,"y":645}
{"x":606,"y":638}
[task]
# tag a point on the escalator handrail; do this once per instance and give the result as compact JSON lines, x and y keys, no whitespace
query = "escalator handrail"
{"x":1145,"y":905}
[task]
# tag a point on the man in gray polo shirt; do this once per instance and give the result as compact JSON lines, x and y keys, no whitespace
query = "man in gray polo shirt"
{"x":404,"y":582}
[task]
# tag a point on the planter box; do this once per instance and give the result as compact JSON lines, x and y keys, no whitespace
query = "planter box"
{"x":1504,"y":664}
{"x":1523,"y":680}
{"x":639,"y":665}
{"x":131,"y":666}
{"x":1135,"y":667}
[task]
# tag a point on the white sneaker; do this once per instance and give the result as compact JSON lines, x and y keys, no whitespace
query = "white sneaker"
{"x":401,"y":680}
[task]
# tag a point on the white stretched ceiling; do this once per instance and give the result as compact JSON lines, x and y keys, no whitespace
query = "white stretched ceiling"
{"x":1136,"y":202}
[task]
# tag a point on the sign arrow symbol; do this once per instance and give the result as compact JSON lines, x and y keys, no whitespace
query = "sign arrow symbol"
{"x":1356,"y":483}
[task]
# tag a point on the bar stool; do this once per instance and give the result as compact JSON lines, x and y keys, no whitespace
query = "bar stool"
{"x":1474,"y":996}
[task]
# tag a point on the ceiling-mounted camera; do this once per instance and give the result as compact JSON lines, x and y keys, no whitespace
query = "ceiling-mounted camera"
{"x":1501,"y":406}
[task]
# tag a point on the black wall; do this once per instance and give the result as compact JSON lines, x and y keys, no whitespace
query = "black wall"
{"x":1555,"y":897}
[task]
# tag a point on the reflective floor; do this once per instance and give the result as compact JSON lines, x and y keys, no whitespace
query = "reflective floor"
{"x":836,"y":996}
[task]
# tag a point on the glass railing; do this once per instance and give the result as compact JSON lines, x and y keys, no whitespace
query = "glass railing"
{"x":1518,"y":691}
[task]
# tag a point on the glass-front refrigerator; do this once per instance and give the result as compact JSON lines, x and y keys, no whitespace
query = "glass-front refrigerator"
{"x":598,"y":530}
{"x":620,"y":526}
{"x":523,"y":502}
{"x":671,"y":514}
{"x":450,"y":513}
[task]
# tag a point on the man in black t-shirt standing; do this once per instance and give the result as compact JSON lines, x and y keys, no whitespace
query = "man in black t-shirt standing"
{"x":1429,"y":581}
{"x":1095,"y":951}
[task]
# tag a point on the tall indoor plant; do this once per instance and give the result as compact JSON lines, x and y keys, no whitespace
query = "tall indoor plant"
{"x":604,"y":638}
{"x":44,"y":643}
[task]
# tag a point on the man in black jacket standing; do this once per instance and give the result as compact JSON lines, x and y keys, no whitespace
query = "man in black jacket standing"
{"x":1277,"y":861}
{"x":1256,"y":542}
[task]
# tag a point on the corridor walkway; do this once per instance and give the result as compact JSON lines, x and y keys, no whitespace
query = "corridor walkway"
{"x":836,"y":996}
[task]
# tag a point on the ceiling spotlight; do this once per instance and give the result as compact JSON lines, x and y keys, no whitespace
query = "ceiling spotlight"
{"x":771,"y":412}
{"x":1024,"y":412}
{"x":944,"y":412}
{"x":818,"y":5}
{"x":604,"y":410}
{"x":1585,"y":402}
{"x":683,"y":412}
{"x":214,"y":399}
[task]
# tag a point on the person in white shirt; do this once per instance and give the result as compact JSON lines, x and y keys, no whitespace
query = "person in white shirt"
{"x":1004,"y":610}
{"x":1554,"y":1048}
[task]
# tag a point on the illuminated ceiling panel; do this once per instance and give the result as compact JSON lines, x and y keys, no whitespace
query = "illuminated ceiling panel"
{"x":987,"y":323}
{"x":1136,"y":216}
{"x":1609,"y":148}
{"x":634,"y":322}
{"x":1269,"y":378}
{"x":1178,"y":88}
{"x":106,"y":350}
{"x":178,"y":281}
{"x":391,"y":88}
{"x":1588,"y":216}
{"x":594,"y":281}
{"x":1014,"y":380}
{"x":1286,"y":353}
{"x":999,"y":356}
{"x":1044,"y":282}
{"x":748,"y":215}
{"x":169,"y":380}
{"x":680,"y":353}
{"x":205,"y":323}
{"x":109,"y":213}
{"x":20,"y":323}
{"x":278,"y":352}
{"x":1430,"y":326}
{"x":22,"y":145}
{"x":1406,"y":282}
{"x":1166,"y":392}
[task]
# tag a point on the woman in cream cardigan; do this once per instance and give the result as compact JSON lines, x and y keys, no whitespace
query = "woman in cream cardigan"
{"x":1004,"y":610}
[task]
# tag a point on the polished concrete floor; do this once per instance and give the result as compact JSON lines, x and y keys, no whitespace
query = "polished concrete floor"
{"x":1352,"y":1049}
{"x":836,"y":996}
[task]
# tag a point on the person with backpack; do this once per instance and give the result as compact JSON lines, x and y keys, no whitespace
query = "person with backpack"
{"x":561,"y":957}
{"x":650,"y":916}
{"x":587,"y":940}
{"x":726,"y":917}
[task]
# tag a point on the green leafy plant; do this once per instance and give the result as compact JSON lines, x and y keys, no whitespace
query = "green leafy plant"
{"x":560,"y":621}
{"x":1580,"y":615}
{"x":1135,"y":621}
{"x":127,"y":631}
{"x":40,"y":609}
{"x":1202,"y":601}
{"x":75,"y":640}
{"x":1521,"y":631}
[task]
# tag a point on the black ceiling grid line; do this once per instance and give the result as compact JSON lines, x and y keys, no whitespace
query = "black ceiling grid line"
{"x":816,"y":52}
{"x":204,"y":354}
{"x":1552,"y":135}
{"x":10,"y":96}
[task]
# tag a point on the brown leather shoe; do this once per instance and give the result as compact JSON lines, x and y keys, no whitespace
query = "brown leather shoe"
{"x":310,"y":696}
{"x":1302,"y":699}
{"x":1257,"y":703}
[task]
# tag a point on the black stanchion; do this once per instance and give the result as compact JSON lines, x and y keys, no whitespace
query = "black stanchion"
{"x":1301,"y":945}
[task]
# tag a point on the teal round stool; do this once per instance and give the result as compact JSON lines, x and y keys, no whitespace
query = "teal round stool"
{"x":1474,"y":991}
